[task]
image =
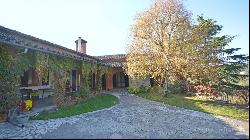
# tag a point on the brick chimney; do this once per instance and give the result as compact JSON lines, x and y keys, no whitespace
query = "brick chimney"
{"x":81,"y":45}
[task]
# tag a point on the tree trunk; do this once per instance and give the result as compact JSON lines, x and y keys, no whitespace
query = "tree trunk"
{"x":187,"y":88}
{"x":165,"y":88}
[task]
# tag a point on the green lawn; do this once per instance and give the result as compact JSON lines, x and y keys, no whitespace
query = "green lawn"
{"x":194,"y":103}
{"x":92,"y":104}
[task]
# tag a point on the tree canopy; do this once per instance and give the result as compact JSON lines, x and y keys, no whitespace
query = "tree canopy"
{"x":167,"y":45}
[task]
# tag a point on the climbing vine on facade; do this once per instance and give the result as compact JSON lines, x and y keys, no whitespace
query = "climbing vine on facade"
{"x":41,"y":66}
{"x":86,"y":69}
{"x":13,"y":64}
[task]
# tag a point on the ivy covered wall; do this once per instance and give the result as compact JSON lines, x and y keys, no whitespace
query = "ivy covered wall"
{"x":13,"y":64}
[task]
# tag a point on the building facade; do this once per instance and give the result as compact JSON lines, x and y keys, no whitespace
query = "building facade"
{"x":22,"y":44}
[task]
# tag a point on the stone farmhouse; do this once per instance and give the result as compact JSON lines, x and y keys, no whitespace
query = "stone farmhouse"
{"x":20,"y":43}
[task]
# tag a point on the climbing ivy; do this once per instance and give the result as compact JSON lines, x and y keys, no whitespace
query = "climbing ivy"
{"x":60,"y":68}
{"x":100,"y":71}
{"x":86,"y":69}
{"x":89,"y":68}
{"x":41,"y":66}
{"x":14,"y":64}
{"x":66,"y":64}
{"x":59,"y":83}
{"x":8,"y":83}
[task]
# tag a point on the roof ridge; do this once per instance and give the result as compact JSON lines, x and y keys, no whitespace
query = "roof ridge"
{"x":15,"y":33}
{"x":43,"y":41}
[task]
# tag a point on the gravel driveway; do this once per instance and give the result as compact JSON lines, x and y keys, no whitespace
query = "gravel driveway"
{"x":133,"y":117}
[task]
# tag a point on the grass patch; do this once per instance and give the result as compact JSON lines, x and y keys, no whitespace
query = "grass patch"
{"x":92,"y":104}
{"x":194,"y":103}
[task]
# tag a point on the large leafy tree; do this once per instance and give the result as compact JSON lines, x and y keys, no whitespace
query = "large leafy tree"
{"x":208,"y":51}
{"x":167,"y":46}
{"x":158,"y":39}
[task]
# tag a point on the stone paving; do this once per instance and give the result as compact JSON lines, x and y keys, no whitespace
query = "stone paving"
{"x":133,"y":117}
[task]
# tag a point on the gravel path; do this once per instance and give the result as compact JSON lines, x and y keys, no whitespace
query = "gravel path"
{"x":133,"y":117}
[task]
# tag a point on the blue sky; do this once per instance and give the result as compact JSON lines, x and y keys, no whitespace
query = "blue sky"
{"x":105,"y":24}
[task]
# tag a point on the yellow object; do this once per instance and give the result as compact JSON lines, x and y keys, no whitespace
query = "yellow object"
{"x":28,"y":104}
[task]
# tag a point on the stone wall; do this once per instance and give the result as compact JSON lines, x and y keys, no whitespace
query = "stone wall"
{"x":139,"y":82}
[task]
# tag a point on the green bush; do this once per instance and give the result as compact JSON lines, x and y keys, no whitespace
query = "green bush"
{"x":176,"y":88}
{"x":156,"y":90}
{"x":134,"y":90}
{"x":143,"y":89}
{"x":146,"y":89}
